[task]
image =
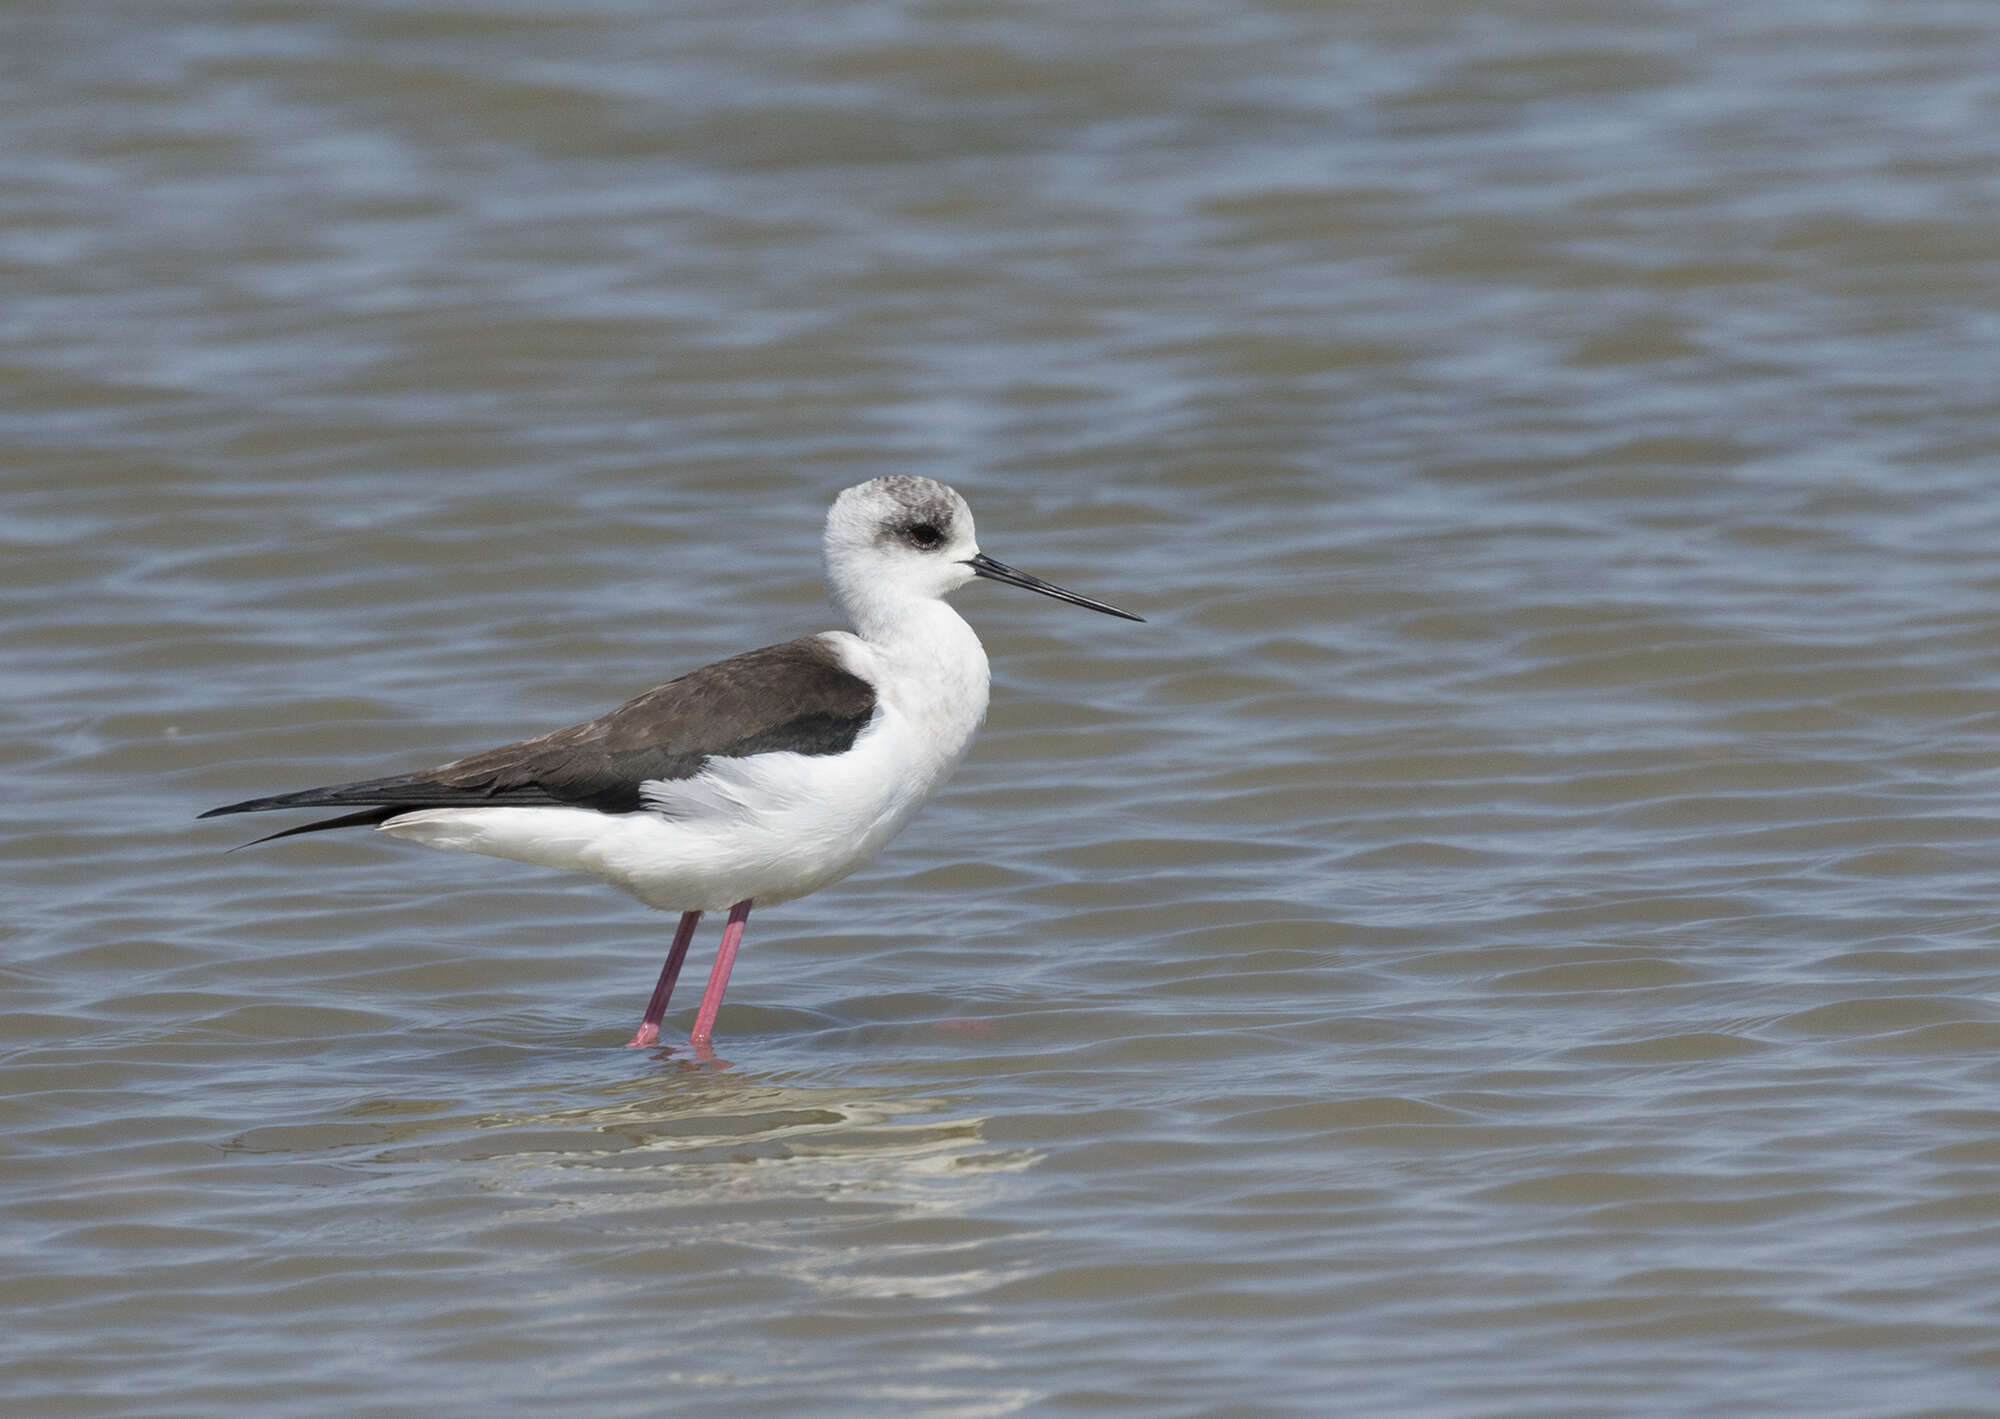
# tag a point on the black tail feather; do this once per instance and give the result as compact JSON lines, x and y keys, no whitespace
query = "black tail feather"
{"x":367,"y":817}
{"x":374,"y":790}
{"x":408,"y":792}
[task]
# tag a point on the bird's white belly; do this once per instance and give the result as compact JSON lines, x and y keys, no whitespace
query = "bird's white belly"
{"x":768,"y":828}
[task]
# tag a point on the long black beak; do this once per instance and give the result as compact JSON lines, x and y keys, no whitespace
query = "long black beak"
{"x":983,"y":565}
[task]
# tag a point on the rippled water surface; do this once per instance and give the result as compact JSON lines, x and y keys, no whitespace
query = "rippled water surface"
{"x":1514,"y":934}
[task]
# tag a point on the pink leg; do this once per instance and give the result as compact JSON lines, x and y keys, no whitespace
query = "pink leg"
{"x":656,"y":1008}
{"x":718,"y":978}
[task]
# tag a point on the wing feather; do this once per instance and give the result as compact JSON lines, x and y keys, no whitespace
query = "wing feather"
{"x":793,"y":698}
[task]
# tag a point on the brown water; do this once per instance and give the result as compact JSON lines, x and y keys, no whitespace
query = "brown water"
{"x":1516,"y":934}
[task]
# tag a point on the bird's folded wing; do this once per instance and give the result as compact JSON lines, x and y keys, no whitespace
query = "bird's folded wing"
{"x":791,"y":698}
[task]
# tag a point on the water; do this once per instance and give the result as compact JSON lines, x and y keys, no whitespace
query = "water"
{"x":1513,"y":935}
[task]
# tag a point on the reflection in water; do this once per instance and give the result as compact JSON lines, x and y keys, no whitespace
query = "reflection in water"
{"x":720,"y":1181}
{"x":842,"y":1202}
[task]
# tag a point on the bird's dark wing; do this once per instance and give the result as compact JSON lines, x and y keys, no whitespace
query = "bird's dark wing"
{"x":796,"y":698}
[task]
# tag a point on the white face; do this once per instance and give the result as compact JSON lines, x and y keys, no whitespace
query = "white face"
{"x":901,"y":539}
{"x":901,"y":535}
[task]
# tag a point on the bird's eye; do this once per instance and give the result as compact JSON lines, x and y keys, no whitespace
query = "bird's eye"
{"x":924,"y":536}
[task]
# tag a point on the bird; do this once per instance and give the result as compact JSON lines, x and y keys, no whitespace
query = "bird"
{"x":751,"y":781}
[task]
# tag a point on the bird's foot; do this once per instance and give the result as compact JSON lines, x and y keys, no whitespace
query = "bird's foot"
{"x":702,"y":1051}
{"x":649,"y":1034}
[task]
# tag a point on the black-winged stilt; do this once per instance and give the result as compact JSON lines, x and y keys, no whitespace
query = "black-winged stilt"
{"x":756,"y":779}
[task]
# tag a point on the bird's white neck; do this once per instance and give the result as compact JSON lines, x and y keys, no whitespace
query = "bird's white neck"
{"x":931,"y":666}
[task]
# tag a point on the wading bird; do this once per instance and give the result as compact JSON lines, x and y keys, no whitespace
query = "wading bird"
{"x":756,"y":779}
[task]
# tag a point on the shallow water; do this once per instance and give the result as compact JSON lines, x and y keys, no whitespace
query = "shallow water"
{"x":1513,"y":934}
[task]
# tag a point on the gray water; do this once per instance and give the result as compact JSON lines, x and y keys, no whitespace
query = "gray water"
{"x":1514,"y":934}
